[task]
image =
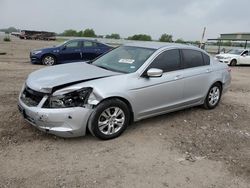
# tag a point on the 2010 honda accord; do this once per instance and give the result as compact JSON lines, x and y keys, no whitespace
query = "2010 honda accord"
{"x":130,"y":83}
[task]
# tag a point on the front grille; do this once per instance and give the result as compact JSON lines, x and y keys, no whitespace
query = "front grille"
{"x":31,"y":97}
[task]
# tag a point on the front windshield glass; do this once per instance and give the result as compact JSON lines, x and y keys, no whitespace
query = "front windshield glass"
{"x":235,"y":51}
{"x":126,"y":59}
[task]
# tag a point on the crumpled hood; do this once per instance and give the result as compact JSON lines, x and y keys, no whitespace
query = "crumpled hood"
{"x":45,"y":79}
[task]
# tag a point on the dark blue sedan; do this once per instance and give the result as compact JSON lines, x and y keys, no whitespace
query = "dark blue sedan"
{"x":69,"y":51}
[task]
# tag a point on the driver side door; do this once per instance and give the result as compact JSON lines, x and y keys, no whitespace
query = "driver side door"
{"x":245,"y":58}
{"x":71,"y":51}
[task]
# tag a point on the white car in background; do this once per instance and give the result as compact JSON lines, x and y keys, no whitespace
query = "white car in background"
{"x":235,"y":57}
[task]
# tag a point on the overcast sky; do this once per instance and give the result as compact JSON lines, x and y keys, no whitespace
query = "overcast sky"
{"x":181,"y":18}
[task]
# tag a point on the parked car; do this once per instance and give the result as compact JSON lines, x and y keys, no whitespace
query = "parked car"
{"x":235,"y":57}
{"x":130,"y":83}
{"x":69,"y":51}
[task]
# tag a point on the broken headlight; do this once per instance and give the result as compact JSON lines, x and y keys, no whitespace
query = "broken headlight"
{"x":76,"y":98}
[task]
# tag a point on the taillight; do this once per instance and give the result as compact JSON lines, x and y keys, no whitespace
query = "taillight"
{"x":229,"y":69}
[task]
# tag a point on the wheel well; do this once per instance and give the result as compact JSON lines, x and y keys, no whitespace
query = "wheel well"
{"x":126,"y":102}
{"x":233,"y":60}
{"x":220,"y":83}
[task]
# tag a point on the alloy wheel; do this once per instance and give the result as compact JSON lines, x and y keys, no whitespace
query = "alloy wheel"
{"x":48,"y":60}
{"x":214,"y":96}
{"x":111,"y":120}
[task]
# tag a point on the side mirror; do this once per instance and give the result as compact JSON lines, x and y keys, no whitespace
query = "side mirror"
{"x":153,"y":72}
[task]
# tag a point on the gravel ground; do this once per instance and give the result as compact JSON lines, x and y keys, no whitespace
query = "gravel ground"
{"x":189,"y":148}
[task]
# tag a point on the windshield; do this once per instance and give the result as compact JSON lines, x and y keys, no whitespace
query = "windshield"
{"x":235,"y":51}
{"x":126,"y":59}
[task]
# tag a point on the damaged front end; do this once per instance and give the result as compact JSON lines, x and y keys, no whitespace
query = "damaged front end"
{"x":64,"y":112}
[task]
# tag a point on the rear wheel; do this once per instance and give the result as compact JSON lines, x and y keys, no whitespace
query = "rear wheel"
{"x":109,"y":119}
{"x":49,"y":60}
{"x":213,"y":96}
{"x":233,"y":62}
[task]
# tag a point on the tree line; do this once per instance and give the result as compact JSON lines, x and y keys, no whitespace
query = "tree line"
{"x":142,"y":37}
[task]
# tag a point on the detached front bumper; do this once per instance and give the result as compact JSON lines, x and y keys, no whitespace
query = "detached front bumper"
{"x":64,"y":122}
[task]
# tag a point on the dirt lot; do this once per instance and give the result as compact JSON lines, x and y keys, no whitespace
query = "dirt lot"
{"x":190,"y":148}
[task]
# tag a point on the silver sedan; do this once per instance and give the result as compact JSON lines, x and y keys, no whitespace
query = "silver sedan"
{"x":130,"y":83}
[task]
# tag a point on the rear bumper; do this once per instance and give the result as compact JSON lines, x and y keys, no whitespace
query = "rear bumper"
{"x":64,"y":122}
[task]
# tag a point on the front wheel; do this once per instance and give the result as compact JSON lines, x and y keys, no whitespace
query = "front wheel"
{"x":213,"y":96}
{"x":233,"y":63}
{"x":109,"y":119}
{"x":49,"y":60}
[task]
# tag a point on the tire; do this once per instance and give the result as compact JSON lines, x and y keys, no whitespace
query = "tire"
{"x":109,"y":119}
{"x":233,"y":62}
{"x":48,"y":60}
{"x":213,"y":96}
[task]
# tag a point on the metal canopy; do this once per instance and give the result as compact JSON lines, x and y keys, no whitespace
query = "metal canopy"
{"x":233,"y":37}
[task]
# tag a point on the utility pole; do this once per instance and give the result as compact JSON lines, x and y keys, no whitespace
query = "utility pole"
{"x":202,"y":45}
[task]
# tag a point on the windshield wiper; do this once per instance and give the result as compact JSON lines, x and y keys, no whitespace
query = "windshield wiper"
{"x":109,"y":69}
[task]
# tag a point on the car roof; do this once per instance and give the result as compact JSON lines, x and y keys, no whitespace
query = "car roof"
{"x":158,"y":45}
{"x":90,"y":40}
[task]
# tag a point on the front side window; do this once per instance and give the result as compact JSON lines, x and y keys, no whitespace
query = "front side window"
{"x":88,"y":44}
{"x":167,"y":61}
{"x":126,"y":59}
{"x":245,"y":53}
{"x":73,"y":44}
{"x":192,"y":58}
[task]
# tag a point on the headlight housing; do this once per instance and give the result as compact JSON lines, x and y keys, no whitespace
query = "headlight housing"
{"x":76,"y":98}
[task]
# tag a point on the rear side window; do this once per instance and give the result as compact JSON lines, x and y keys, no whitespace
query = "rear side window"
{"x":206,"y":59}
{"x":167,"y":61}
{"x":192,"y":58}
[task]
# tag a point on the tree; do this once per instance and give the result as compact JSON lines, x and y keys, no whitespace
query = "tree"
{"x":79,"y":33}
{"x":70,"y":32}
{"x":9,"y":30}
{"x":142,"y":37}
{"x":180,"y":41}
{"x":89,"y":33}
{"x":166,"y":38}
{"x":113,"y":36}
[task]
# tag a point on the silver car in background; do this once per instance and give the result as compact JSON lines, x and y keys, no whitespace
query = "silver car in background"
{"x":130,"y":83}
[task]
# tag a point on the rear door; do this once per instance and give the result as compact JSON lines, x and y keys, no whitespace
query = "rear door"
{"x":156,"y":95}
{"x":196,"y":75}
{"x":71,"y":51}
